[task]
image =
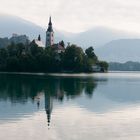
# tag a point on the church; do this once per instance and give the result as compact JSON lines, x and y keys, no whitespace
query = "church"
{"x":58,"y":47}
{"x":49,"y":35}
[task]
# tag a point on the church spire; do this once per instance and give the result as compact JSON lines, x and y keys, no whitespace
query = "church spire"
{"x":50,"y":21}
{"x":49,"y":34}
{"x":50,"y":28}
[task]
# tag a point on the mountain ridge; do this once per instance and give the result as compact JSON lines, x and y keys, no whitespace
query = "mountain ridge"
{"x":103,"y":39}
{"x":95,"y":37}
{"x":121,"y":50}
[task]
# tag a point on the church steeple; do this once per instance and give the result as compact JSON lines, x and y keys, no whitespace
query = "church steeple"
{"x":50,"y":28}
{"x":49,"y":34}
{"x":50,"y":21}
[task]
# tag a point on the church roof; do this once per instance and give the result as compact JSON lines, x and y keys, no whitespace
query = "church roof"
{"x":39,"y":43}
{"x":58,"y":47}
{"x":50,"y":28}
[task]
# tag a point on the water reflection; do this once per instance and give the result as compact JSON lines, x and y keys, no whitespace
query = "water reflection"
{"x":99,"y":106}
{"x":23,"y":89}
{"x":19,"y":88}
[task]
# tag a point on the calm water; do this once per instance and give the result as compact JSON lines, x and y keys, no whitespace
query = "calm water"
{"x":64,"y":107}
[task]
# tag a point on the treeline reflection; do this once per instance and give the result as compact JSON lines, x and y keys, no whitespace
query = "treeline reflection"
{"x":20,"y":88}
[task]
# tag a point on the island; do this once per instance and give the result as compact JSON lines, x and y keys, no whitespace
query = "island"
{"x":22,"y":55}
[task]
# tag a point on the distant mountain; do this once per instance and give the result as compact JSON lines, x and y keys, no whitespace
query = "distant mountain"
{"x":13,"y":24}
{"x":95,"y":37}
{"x":128,"y":66}
{"x":99,"y":36}
{"x":122,"y":50}
{"x":123,"y":47}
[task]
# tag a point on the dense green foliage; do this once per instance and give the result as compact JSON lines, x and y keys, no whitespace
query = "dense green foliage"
{"x":31,"y":58}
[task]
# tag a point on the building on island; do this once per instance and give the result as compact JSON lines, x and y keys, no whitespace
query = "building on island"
{"x":49,"y":35}
{"x":19,"y":39}
{"x":16,"y":39}
{"x":49,"y":42}
{"x":39,"y":42}
{"x":58,"y":47}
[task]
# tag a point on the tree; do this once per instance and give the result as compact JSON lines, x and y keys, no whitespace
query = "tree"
{"x":90,"y":53}
{"x":104,"y":66}
{"x":3,"y":58}
{"x":19,"y":49}
{"x":73,"y":58}
{"x":62,"y":43}
{"x":12,"y":64}
{"x":34,"y":49}
{"x":31,"y":58}
{"x":90,"y":59}
{"x":12,"y":49}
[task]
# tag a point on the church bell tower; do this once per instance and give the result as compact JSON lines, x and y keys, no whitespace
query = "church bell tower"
{"x":49,"y":35}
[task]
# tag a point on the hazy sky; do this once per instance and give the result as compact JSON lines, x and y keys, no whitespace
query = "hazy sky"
{"x":77,"y":15}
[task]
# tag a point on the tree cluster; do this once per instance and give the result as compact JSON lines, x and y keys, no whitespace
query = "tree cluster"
{"x":31,"y":58}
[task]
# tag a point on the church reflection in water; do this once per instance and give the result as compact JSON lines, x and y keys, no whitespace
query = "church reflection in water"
{"x":69,"y":88}
{"x":48,"y":107}
{"x":22,"y":88}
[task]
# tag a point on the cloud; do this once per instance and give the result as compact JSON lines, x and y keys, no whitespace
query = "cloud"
{"x":77,"y":15}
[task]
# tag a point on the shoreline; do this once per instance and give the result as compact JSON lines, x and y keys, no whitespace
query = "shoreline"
{"x":72,"y":74}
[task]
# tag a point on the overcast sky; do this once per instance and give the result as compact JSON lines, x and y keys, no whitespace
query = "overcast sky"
{"x":77,"y":15}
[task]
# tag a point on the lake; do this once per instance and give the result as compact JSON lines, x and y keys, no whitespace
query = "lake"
{"x":70,"y":107}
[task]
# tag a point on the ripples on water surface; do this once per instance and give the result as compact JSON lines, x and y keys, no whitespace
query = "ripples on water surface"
{"x":70,"y":107}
